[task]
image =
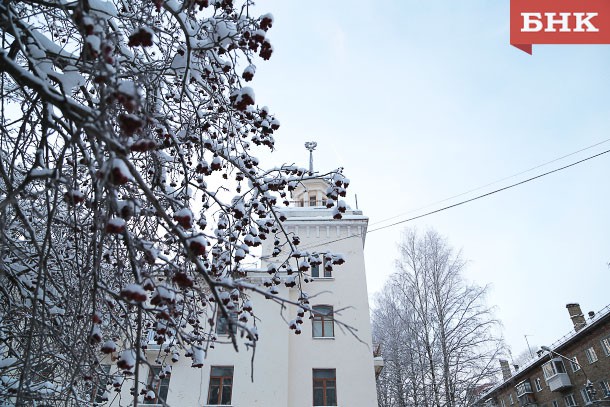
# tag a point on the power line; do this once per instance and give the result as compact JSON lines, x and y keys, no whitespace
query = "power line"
{"x":492,"y":192}
{"x":491,"y":183}
{"x":465,"y":201}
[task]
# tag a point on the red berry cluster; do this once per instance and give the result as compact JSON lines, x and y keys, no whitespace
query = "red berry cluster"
{"x":143,"y":37}
{"x":130,"y":124}
{"x":143,"y":145}
{"x":241,"y":101}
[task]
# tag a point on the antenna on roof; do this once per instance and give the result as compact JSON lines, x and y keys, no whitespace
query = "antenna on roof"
{"x":311,"y":145}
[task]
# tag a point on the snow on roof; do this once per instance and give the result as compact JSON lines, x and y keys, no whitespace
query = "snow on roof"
{"x":555,"y":345}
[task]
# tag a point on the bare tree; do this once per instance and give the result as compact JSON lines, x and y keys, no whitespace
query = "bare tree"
{"x":436,"y":332}
{"x":129,"y":195}
{"x":525,"y":355}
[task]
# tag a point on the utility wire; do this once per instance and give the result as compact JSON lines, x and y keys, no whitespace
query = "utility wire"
{"x":491,"y":193}
{"x":465,"y":201}
{"x":491,"y":183}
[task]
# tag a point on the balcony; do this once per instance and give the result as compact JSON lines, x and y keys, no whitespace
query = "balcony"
{"x":310,"y":203}
{"x":524,"y":388}
{"x":490,"y":403}
{"x":555,"y":375}
{"x":527,"y":400}
{"x":559,"y":381}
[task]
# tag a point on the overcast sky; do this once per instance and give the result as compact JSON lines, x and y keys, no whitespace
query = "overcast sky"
{"x":424,"y":100}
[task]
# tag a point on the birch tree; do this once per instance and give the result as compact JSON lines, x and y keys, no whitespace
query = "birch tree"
{"x":438,"y":335}
{"x":130,"y":195}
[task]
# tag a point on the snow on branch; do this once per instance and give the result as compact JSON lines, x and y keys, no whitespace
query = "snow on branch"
{"x":130,"y":193}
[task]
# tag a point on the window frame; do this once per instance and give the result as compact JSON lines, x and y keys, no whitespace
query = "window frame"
{"x":321,"y":319}
{"x":553,"y":363}
{"x":605,"y":342}
{"x":154,"y":383}
{"x":222,"y":324}
{"x":324,"y":386}
{"x":511,"y":401}
{"x":152,"y":344}
{"x":538,"y":384}
{"x":569,"y":398}
{"x":101,"y":385}
{"x":591,"y":355}
{"x":586,"y":397}
{"x":313,"y":198}
{"x":523,"y":387}
{"x":314,"y":271}
{"x":554,"y":403}
{"x":605,"y":385}
{"x":221,"y":386}
{"x":575,"y":366}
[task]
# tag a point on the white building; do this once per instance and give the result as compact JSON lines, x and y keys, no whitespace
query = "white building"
{"x":326,"y":365}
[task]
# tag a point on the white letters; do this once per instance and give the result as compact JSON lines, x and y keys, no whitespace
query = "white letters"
{"x":528,"y":21}
{"x":551,"y":21}
{"x":580,"y":22}
{"x":532,"y":22}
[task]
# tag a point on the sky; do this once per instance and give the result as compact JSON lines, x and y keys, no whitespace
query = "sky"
{"x":421,"y":101}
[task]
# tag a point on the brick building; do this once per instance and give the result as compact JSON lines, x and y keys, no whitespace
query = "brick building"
{"x":574,"y":371}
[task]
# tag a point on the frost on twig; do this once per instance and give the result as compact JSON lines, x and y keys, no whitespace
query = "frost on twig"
{"x":130,"y":195}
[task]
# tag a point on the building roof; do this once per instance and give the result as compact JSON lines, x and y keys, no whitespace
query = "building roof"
{"x":602,"y":316}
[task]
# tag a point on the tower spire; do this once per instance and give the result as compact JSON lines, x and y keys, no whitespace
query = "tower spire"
{"x":311,"y":145}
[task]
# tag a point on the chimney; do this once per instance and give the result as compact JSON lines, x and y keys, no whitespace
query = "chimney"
{"x":578,"y":319}
{"x":506,"y":374}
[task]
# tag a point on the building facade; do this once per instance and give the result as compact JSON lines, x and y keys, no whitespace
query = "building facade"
{"x":574,"y":371}
{"x":329,"y":363}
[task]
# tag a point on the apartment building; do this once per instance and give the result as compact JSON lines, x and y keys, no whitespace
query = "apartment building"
{"x":574,"y":371}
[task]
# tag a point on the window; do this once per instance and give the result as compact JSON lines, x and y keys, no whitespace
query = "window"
{"x":510,"y":399}
{"x":221,"y":385}
{"x":591,"y":355}
{"x":154,"y":341}
{"x":523,"y":388}
{"x":553,"y":367}
{"x":312,"y":200}
{"x":315,"y":272}
{"x":554,"y":403}
{"x":538,"y":384}
{"x":159,"y":385}
{"x":606,"y":345}
{"x":585,"y":395}
{"x":605,"y":388}
{"x":99,"y":391}
{"x":570,"y":401}
{"x":575,"y":365}
{"x":222,"y":325}
{"x":502,"y":403}
{"x":324,"y":387}
{"x":323,"y":322}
